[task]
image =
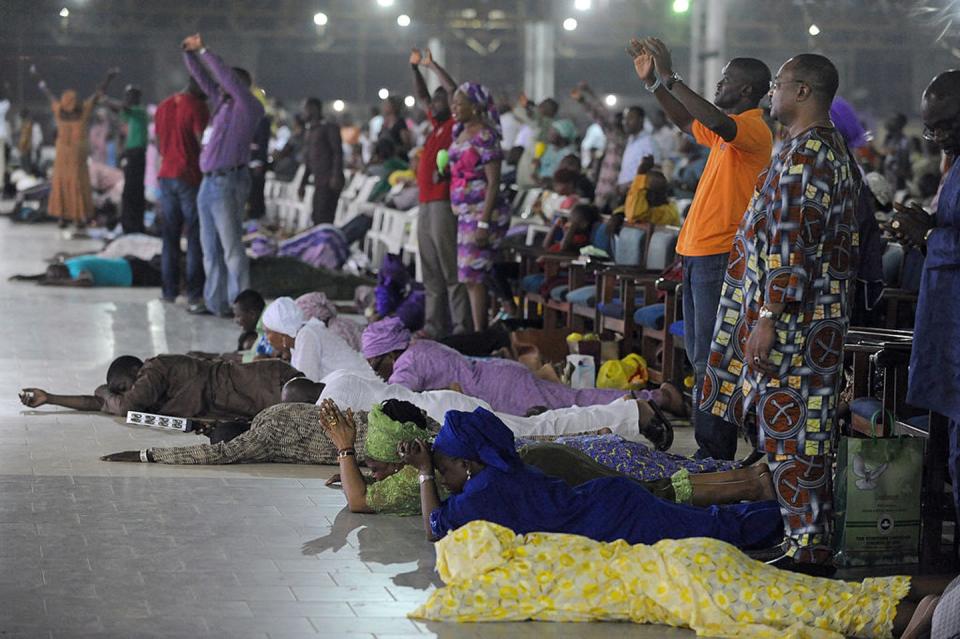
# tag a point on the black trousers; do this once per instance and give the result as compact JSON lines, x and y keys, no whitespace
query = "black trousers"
{"x":256,"y":203}
{"x":324,"y":203}
{"x":133,"y":203}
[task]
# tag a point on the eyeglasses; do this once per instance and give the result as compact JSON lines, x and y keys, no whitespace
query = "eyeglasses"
{"x":776,"y":84}
{"x":938,"y":129}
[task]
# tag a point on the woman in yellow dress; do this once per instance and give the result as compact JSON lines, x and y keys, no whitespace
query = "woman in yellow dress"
{"x":493,"y":574}
{"x":71,"y":198}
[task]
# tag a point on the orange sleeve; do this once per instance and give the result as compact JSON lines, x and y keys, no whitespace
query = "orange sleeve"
{"x":753,"y":135}
{"x":703,"y":135}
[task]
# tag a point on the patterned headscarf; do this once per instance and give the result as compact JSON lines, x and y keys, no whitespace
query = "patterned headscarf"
{"x":566,"y":128}
{"x":384,"y":337}
{"x":480,"y":97}
{"x":478,"y":436}
{"x":316,"y":306}
{"x":384,"y":433}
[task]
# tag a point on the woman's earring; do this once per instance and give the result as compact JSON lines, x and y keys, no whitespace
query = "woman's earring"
{"x":468,"y":474}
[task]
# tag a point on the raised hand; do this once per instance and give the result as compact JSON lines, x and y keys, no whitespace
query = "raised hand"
{"x":33,"y":397}
{"x":523,"y":101}
{"x":646,"y":163}
{"x":661,"y":56}
{"x":427,"y":58}
{"x":192,"y":43}
{"x":643,"y":61}
{"x":416,"y":454}
{"x":341,"y":428}
{"x":415,"y":56}
{"x":113,"y":72}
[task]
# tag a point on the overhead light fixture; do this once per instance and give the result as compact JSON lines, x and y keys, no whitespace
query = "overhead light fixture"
{"x":497,"y":14}
{"x":403,"y":20}
{"x":338,"y":105}
{"x":409,"y":101}
{"x":610,"y":100}
{"x":385,"y":3}
{"x":64,"y":13}
{"x":583,"y":5}
{"x":570,"y":24}
{"x":469,"y":14}
{"x":383,"y":94}
{"x":814,"y":30}
{"x":320,"y":19}
{"x":681,"y":6}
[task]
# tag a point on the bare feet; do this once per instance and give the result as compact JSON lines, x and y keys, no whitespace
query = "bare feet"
{"x":548,"y":373}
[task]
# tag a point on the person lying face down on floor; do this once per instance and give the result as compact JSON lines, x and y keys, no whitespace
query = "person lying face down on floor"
{"x":309,"y":345}
{"x":252,"y":342}
{"x":292,"y":432}
{"x":507,"y":386}
{"x":396,"y":487}
{"x":92,"y":270}
{"x":476,"y":456}
{"x":179,"y":386}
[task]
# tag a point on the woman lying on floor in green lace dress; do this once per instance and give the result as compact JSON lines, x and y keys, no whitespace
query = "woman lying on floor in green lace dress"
{"x":395,"y":488}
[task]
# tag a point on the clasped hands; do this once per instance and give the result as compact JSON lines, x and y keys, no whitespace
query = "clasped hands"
{"x":909,"y":225}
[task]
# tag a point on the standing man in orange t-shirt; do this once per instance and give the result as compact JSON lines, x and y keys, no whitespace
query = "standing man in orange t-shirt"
{"x":740,"y":147}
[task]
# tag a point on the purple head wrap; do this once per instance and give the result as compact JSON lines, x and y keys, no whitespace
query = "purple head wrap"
{"x":847,"y":121}
{"x":384,"y":337}
{"x":317,"y":306}
{"x":480,"y":97}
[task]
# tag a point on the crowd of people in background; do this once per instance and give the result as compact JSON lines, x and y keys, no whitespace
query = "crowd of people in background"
{"x":785,"y":199}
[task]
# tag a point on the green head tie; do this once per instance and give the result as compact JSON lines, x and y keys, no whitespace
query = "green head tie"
{"x":383,"y":435}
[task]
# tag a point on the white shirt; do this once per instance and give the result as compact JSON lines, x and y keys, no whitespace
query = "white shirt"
{"x":318,"y":351}
{"x":593,"y":140}
{"x":667,"y":141}
{"x":638,"y":146}
{"x":361,"y":392}
{"x":510,"y":126}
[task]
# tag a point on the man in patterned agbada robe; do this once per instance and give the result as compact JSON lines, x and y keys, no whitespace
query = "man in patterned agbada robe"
{"x":777,"y":352}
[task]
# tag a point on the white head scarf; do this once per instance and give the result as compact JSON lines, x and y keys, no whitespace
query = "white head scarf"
{"x":284,"y":316}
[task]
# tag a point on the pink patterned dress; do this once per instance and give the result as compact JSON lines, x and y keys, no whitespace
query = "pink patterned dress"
{"x":468,"y":189}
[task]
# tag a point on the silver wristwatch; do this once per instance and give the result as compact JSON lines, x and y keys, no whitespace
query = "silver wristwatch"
{"x":766,"y":313}
{"x":672,"y":79}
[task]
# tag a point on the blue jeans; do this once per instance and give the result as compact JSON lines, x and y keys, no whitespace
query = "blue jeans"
{"x":178,"y":205}
{"x":702,"y":285}
{"x":221,"y":202}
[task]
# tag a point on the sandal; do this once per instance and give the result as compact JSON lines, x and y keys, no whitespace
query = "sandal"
{"x":659,"y":430}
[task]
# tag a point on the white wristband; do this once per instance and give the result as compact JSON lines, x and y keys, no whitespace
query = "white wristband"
{"x":656,"y":85}
{"x":483,"y":225}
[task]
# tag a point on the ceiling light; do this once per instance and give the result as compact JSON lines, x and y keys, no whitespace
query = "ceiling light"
{"x":570,"y":24}
{"x":385,"y":3}
{"x":403,"y":20}
{"x":469,"y":14}
{"x":409,"y":101}
{"x":582,"y":5}
{"x":681,"y":6}
{"x":610,"y":100}
{"x":814,"y":30}
{"x":338,"y":105}
{"x":497,"y":14}
{"x":64,"y":13}
{"x":383,"y":94}
{"x":320,"y":19}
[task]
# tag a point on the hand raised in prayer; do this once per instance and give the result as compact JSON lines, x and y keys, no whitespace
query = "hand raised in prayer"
{"x":642,"y":61}
{"x":523,"y":101}
{"x":340,"y":427}
{"x":760,"y":342}
{"x":910,"y":224}
{"x":415,"y":56}
{"x":578,"y":92}
{"x":125,"y":456}
{"x":645,"y":165}
{"x":661,"y":56}
{"x":416,"y":454}
{"x":427,"y":58}
{"x":192,"y":43}
{"x":33,"y":397}
{"x":113,"y":72}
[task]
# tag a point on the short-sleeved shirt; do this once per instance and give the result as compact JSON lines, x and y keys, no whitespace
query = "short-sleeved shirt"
{"x":105,"y":271}
{"x":180,"y":121}
{"x":727,"y":184}
{"x":439,"y":138}
{"x":135,"y":118}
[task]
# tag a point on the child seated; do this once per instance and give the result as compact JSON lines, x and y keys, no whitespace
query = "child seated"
{"x":648,"y":199}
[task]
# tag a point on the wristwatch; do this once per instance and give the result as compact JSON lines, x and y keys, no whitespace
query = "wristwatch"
{"x":425,"y":478}
{"x":672,"y":79}
{"x":653,"y":87}
{"x":766,"y":313}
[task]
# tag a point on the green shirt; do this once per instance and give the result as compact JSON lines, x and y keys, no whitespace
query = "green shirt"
{"x":135,"y":118}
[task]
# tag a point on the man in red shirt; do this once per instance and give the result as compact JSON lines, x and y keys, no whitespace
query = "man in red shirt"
{"x":179,"y":122}
{"x":447,"y":304}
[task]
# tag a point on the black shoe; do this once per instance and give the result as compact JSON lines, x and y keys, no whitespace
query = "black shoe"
{"x":659,"y":431}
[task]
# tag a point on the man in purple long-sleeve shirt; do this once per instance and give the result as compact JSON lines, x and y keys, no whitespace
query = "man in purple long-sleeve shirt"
{"x":226,"y":178}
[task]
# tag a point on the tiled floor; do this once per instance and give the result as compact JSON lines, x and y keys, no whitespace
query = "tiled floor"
{"x":97,"y":549}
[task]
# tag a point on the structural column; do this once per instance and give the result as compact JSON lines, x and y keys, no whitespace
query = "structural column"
{"x":538,"y":59}
{"x":436,"y":47}
{"x":715,"y":41}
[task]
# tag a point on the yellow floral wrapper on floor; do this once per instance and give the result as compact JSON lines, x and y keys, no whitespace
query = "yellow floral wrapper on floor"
{"x":492,"y":574}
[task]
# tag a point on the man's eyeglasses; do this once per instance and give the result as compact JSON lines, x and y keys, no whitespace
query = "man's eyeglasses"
{"x":776,"y":84}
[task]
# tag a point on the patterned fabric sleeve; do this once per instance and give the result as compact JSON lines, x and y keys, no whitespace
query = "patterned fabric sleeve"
{"x":398,"y":494}
{"x":251,"y":446}
{"x":488,"y":146}
{"x":797,"y":216}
